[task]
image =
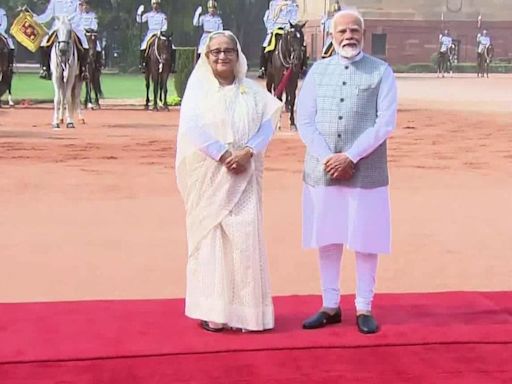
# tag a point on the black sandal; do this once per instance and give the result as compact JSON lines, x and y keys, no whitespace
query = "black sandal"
{"x":206,"y":326}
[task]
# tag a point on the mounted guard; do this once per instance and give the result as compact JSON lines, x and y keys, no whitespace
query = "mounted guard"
{"x":6,"y":37}
{"x":68,"y":9}
{"x":6,"y":59}
{"x":211,"y":22}
{"x":89,"y":23}
{"x":328,"y":47}
{"x":485,"y":53}
{"x":279,"y":16}
{"x":157,"y":23}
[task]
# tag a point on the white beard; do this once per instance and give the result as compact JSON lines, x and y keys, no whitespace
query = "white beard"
{"x":349,"y":52}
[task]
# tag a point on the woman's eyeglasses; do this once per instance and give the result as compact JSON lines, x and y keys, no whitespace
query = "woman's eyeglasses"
{"x":228,"y":52}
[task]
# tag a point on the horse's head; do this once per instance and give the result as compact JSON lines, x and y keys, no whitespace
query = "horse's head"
{"x":164,"y":46}
{"x":92,"y":38}
{"x":64,"y":36}
{"x":293,"y":40}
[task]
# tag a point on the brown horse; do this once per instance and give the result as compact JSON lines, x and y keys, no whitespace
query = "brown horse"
{"x":484,"y":59}
{"x":94,"y":64}
{"x":287,"y":56}
{"x":6,"y":73}
{"x":160,"y":63}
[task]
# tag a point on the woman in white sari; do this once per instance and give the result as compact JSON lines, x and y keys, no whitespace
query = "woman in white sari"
{"x":226,"y":123}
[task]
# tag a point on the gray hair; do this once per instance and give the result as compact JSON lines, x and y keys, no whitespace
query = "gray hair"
{"x":347,"y":11}
{"x":216,"y":34}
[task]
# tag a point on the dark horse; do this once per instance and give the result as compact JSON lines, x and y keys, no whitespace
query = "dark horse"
{"x":160,"y":63}
{"x":6,"y":72}
{"x":484,"y":60}
{"x":287,"y":56}
{"x":445,"y":60}
{"x":94,"y":64}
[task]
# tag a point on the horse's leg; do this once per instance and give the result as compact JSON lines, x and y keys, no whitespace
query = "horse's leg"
{"x":166,"y":105}
{"x":291,"y":94}
{"x":96,"y":90}
{"x":68,"y":102}
{"x":156,"y":85}
{"x":147,"y":88}
{"x":77,"y":88}
{"x":9,"y":97}
{"x":56,"y":104}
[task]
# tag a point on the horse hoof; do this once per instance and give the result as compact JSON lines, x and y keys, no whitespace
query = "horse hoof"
{"x":155,"y":109}
{"x":70,"y":125}
{"x":146,"y":107}
{"x":82,"y":121}
{"x":56,"y":126}
{"x":90,"y":106}
{"x":293,"y":128}
{"x":61,"y":121}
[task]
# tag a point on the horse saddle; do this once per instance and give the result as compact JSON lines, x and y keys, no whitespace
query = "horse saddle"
{"x":152,"y":39}
{"x":276,"y":33}
{"x":53,"y":37}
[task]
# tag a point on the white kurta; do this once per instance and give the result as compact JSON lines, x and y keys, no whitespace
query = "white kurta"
{"x":356,"y":217}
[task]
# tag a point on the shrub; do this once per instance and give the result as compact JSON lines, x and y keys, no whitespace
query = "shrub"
{"x":421,"y":68}
{"x":185,"y":60}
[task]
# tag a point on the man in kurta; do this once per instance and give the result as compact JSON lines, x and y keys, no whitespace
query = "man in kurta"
{"x":346,"y":110}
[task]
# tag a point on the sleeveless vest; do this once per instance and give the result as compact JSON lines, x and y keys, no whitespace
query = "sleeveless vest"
{"x":346,"y":107}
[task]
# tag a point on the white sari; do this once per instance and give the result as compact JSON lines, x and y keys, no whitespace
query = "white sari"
{"x":227,"y":272}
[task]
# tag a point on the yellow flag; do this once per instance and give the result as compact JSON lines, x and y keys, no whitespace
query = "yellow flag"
{"x":27,"y":31}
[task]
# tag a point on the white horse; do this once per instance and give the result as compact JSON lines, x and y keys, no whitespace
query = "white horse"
{"x":66,"y":78}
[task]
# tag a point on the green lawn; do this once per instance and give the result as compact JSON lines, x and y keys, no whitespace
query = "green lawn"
{"x":115,"y":86}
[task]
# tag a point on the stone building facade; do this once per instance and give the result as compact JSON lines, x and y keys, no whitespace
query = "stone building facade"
{"x":407,"y":31}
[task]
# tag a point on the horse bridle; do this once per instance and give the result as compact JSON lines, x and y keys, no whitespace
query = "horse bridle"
{"x":293,"y":55}
{"x":157,"y":54}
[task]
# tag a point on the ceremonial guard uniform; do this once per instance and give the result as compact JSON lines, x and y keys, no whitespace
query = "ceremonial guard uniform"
{"x":3,"y":28}
{"x":89,"y":23}
{"x":211,"y":22}
{"x":157,"y":22}
{"x":328,"y":49}
{"x":482,"y":42}
{"x":277,"y":18}
{"x":62,"y":8}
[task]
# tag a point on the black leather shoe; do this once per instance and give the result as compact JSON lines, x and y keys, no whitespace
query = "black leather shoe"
{"x":321,"y":319}
{"x":367,"y":324}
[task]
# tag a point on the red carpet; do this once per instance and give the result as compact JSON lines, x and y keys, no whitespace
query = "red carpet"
{"x":425,"y":338}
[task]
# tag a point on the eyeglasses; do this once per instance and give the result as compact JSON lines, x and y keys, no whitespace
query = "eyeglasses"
{"x":228,"y":52}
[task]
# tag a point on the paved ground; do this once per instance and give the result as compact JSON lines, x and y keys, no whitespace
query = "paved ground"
{"x":94,"y":212}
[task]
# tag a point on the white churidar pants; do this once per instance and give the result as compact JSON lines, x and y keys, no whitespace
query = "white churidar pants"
{"x":366,"y":268}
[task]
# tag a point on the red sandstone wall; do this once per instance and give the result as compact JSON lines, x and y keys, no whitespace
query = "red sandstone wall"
{"x":414,"y":41}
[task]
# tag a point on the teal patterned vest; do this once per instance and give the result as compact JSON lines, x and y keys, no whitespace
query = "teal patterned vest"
{"x":346,"y":107}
